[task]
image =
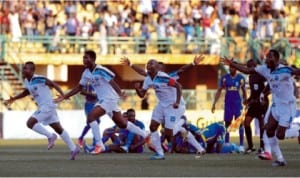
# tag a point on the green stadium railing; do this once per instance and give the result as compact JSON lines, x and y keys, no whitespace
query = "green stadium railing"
{"x":135,"y":45}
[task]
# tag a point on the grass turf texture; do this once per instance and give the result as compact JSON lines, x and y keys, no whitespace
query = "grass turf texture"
{"x":31,"y":158}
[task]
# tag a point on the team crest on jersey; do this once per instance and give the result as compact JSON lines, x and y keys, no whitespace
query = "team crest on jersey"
{"x":276,"y":77}
{"x":35,"y":88}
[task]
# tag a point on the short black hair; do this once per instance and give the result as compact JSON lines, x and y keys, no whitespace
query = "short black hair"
{"x":91,"y":53}
{"x":276,"y":53}
{"x":130,"y":110}
{"x":31,"y":64}
{"x":251,"y":61}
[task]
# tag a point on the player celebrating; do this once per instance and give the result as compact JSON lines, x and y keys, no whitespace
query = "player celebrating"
{"x":39,"y":87}
{"x":283,"y":107}
{"x":108,"y":93}
{"x":90,"y":101}
{"x":170,"y":105}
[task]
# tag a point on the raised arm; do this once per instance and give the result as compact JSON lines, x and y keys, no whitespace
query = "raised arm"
{"x":242,"y":68}
{"x":196,"y":61}
{"x":125,"y":61}
{"x":24,"y":93}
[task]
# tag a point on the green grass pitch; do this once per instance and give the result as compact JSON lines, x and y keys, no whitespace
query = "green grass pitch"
{"x":30,"y":158}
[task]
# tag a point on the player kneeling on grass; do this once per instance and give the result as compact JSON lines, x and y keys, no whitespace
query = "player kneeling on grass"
{"x":122,"y":139}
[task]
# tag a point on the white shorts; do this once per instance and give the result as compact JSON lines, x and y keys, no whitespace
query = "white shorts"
{"x":168,"y":115}
{"x":108,"y":106}
{"x":284,"y":113}
{"x":46,"y":117}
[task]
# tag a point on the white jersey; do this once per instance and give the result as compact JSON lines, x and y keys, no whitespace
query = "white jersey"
{"x":40,"y":92}
{"x":165,"y":93}
{"x":99,"y":78}
{"x":280,"y":81}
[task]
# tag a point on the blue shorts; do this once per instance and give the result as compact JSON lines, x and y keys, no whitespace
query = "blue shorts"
{"x":231,"y":111}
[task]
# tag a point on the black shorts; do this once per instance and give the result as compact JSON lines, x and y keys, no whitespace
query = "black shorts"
{"x":257,"y":110}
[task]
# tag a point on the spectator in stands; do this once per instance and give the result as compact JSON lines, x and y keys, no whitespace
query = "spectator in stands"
{"x":145,"y":34}
{"x":49,"y":23}
{"x":103,"y":38}
{"x":255,"y":46}
{"x":196,"y":13}
{"x":55,"y":43}
{"x":70,"y":8}
{"x":161,"y":30}
{"x":162,"y":7}
{"x":283,"y":22}
{"x":244,"y":25}
{"x":86,"y":30}
{"x":206,"y":26}
{"x":244,"y":10}
{"x":72,"y":28}
{"x":14,"y":24}
{"x":4,"y":21}
{"x":277,"y":6}
{"x":110,"y":19}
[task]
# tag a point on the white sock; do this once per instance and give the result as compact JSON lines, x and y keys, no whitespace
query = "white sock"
{"x":66,"y":138}
{"x":275,"y":148}
{"x":178,"y":126}
{"x":156,"y":142}
{"x":96,"y":133}
{"x":135,"y":129}
{"x":267,"y":146}
{"x":292,"y":132}
{"x":191,"y":140}
{"x":41,"y":130}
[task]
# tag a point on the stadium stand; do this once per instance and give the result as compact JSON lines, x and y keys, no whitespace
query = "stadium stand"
{"x":54,"y":32}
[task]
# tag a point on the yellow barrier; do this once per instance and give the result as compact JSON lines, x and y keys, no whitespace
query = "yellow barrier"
{"x":76,"y":59}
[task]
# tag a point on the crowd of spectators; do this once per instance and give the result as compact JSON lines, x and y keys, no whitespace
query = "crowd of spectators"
{"x":150,"y":19}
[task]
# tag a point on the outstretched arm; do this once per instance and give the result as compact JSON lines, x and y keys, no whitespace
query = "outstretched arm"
{"x":196,"y":61}
{"x":242,"y":68}
{"x":74,"y":91}
{"x":54,"y":85}
{"x":125,"y":61}
{"x":117,"y":88}
{"x":139,"y":90}
{"x":18,"y":96}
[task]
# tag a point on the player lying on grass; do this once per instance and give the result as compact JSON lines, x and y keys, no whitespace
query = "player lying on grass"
{"x":211,"y":138}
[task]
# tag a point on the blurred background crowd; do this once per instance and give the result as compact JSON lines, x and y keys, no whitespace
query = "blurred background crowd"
{"x":149,"y":18}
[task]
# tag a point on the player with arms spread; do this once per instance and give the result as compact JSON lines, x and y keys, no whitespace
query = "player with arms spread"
{"x":283,"y":109}
{"x":39,"y":87}
{"x":170,"y":105}
{"x":108,"y":94}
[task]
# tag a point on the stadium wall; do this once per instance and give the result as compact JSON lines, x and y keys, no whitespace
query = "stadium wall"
{"x":14,"y":122}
